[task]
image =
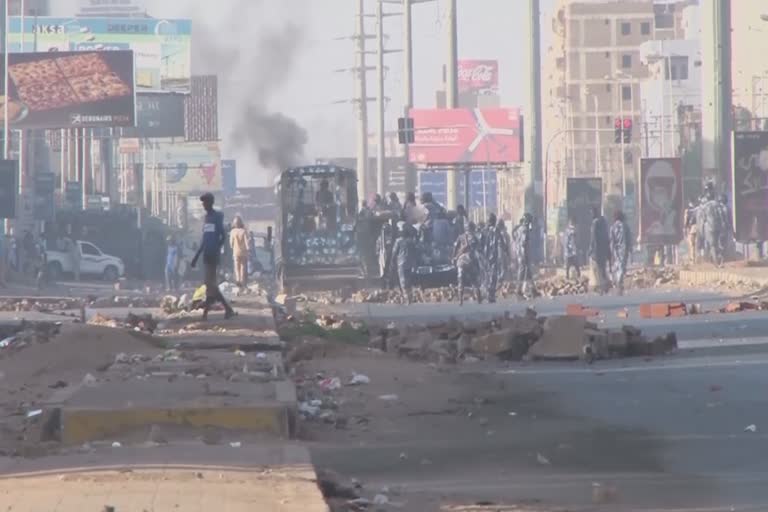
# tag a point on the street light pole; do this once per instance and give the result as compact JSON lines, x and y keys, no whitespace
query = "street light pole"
{"x":410,"y":172}
{"x":380,"y":155}
{"x":452,"y":93}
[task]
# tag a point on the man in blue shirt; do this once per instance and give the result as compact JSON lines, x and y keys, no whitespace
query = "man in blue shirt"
{"x":214,"y":237}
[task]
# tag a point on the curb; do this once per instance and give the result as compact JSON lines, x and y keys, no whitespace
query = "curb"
{"x":707,"y":277}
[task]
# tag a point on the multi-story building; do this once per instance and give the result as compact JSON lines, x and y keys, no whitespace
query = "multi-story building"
{"x":749,"y":44}
{"x":591,"y":74}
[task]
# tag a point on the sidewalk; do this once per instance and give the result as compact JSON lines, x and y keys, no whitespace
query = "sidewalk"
{"x":709,"y":275}
{"x":165,"y":479}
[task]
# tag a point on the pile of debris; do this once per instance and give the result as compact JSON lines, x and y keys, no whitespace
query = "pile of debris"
{"x":125,"y":301}
{"x":140,"y":323}
{"x":38,"y":305}
{"x":16,"y":337}
{"x":517,"y":338}
{"x":652,"y":277}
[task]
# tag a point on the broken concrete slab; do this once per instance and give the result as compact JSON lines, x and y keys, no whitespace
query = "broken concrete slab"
{"x":564,"y":338}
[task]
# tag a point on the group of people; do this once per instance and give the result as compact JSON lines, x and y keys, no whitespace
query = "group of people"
{"x":609,"y":250}
{"x":25,"y":258}
{"x":483,"y":256}
{"x":708,"y":227}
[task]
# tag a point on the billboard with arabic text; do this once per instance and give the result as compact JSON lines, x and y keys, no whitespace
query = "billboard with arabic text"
{"x":750,"y":186}
{"x":466,"y":136}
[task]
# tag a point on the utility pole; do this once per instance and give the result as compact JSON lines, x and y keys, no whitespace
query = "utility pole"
{"x":533,"y":196}
{"x":380,"y":155}
{"x":452,"y":94}
{"x":362,"y":104}
{"x":410,"y":172}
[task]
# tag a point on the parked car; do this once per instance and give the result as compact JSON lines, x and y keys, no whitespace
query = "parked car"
{"x":93,"y":262}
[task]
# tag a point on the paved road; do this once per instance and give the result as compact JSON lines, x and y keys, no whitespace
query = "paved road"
{"x":667,"y":435}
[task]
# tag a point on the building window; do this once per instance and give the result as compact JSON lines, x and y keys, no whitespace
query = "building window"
{"x":607,"y":21}
{"x":626,"y":92}
{"x":626,"y":61}
{"x":676,"y":68}
{"x":645,"y":28}
{"x":628,"y":159}
{"x":607,"y":54}
{"x":664,"y":16}
{"x":608,"y":87}
{"x":608,"y":121}
{"x":626,"y":28}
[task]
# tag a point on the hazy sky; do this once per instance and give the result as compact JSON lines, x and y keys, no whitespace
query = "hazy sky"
{"x":488,"y":29}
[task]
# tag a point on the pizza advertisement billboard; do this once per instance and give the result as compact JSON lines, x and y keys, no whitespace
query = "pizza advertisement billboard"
{"x":750,"y":186}
{"x":187,"y":167}
{"x":70,"y":89}
{"x":582,"y":196}
{"x":480,"y":77}
{"x":163,"y":47}
{"x":661,"y":201}
{"x":466,"y":136}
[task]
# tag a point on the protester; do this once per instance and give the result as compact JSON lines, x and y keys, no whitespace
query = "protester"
{"x":210,"y":248}
{"x":599,"y":251}
{"x":691,"y":232}
{"x":522,"y":241}
{"x":404,"y":258}
{"x":466,"y":257}
{"x":621,"y":240}
{"x":570,"y":251}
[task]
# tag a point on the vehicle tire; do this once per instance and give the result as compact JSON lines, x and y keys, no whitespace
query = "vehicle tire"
{"x":111,"y":274}
{"x":54,"y":271}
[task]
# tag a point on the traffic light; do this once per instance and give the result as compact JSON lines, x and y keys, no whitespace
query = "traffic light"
{"x":627,"y":131}
{"x":617,"y":132}
{"x":405,"y":133}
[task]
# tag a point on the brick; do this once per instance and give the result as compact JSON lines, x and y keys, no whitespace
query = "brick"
{"x":645,"y":311}
{"x":659,"y":310}
{"x":580,"y":310}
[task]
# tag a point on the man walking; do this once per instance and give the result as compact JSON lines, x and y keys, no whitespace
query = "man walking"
{"x":713,"y":226}
{"x":621,"y":240}
{"x":691,"y":232}
{"x":523,"y":237}
{"x":210,"y":248}
{"x":570,"y":251}
{"x":403,"y":258}
{"x":466,"y":258}
{"x":599,"y":250}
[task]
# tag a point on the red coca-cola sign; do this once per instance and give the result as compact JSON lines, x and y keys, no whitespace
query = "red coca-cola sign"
{"x":479,"y":76}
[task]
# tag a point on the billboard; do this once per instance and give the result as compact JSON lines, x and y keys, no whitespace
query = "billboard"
{"x":158,"y":115}
{"x":45,"y":186}
{"x":70,"y":89}
{"x":189,"y":166}
{"x":468,"y":136}
{"x":482,"y":189}
{"x":582,"y":195}
{"x":162,"y":47}
{"x":479,"y":77}
{"x":661,"y":201}
{"x":229,"y":176}
{"x":750,"y":186}
{"x":8,"y":188}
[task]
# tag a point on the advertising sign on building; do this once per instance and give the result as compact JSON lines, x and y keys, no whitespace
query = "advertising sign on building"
{"x":480,"y":77}
{"x":582,"y":195}
{"x":661,"y":201}
{"x":45,"y":186}
{"x":750,"y":186}
{"x":162,"y":47}
{"x":483,"y":191}
{"x":189,"y":166}
{"x":229,"y":177}
{"x":469,"y":136}
{"x":158,"y":115}
{"x":8,"y":188}
{"x":71,"y":89}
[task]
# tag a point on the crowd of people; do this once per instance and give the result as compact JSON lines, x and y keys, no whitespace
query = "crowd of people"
{"x":413,"y":234}
{"x":709,"y":228}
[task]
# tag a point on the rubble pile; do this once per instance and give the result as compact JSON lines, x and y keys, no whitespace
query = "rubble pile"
{"x":652,"y":277}
{"x":27,"y":333}
{"x":517,"y":338}
{"x":40,"y":306}
{"x":142,"y":323}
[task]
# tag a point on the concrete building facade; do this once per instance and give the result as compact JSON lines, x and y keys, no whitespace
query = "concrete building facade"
{"x":592,"y":75}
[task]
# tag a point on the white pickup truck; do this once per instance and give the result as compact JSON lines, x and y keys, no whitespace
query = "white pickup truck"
{"x":93,"y":262}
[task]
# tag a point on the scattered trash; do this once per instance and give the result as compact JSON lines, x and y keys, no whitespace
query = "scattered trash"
{"x":542,"y":459}
{"x":309,"y":410}
{"x":5,"y":343}
{"x":89,"y":380}
{"x":511,"y":414}
{"x":751,"y":428}
{"x":59,"y":384}
{"x":116,"y":445}
{"x":239,"y":353}
{"x":380,"y":499}
{"x":389,"y":398}
{"x":403,"y":456}
{"x":330,"y":384}
{"x":36,"y":412}
{"x":358,"y":379}
{"x":236,"y":444}
{"x":261,"y":355}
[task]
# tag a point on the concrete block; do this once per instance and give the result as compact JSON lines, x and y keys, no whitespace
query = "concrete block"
{"x":564,"y":338}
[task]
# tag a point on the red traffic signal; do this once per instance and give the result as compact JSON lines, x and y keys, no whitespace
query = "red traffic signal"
{"x":617,"y":123}
{"x":627,"y":124}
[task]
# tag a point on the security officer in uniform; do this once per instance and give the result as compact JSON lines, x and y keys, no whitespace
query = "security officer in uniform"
{"x":621,"y":240}
{"x":467,"y":260}
{"x":494,"y":249}
{"x":522,"y":243}
{"x":570,"y":251}
{"x":600,"y":250}
{"x":713,"y":226}
{"x":404,"y":257}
